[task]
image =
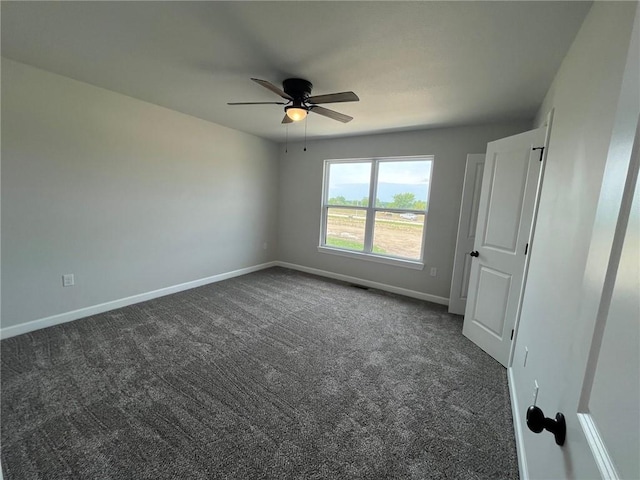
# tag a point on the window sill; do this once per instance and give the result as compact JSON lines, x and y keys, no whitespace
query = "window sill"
{"x":399,"y":262}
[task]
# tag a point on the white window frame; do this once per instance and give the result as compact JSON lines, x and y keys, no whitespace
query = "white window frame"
{"x":371,"y":210}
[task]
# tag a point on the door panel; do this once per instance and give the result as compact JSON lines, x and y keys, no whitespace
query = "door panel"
{"x":493,"y":296}
{"x":478,"y":171}
{"x":462,"y":294}
{"x":466,"y":233}
{"x":507,"y":199}
{"x":506,"y":193}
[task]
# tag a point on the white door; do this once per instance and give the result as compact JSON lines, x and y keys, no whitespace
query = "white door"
{"x":608,"y":409}
{"x":507,"y":199}
{"x":579,"y":336}
{"x":466,"y":232}
{"x":611,"y":423}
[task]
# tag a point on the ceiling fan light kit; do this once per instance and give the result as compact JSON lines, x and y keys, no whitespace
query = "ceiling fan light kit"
{"x":297,"y":91}
{"x":296,"y":113}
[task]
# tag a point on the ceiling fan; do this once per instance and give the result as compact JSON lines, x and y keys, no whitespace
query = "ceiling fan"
{"x":299,"y":102}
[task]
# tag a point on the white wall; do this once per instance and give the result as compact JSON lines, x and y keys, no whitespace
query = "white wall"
{"x":301,"y":190}
{"x":128,"y":196}
{"x":556,"y":322}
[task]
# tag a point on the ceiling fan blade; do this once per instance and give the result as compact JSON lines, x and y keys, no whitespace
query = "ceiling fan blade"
{"x":286,"y":119}
{"x":256,"y":103}
{"x":341,"y":117}
{"x":334,"y":98}
{"x":273,"y":88}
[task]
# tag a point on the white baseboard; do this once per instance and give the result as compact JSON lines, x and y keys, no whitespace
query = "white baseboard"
{"x":31,"y":326}
{"x":518,"y":427}
{"x":367,"y":283}
{"x":123,"y":302}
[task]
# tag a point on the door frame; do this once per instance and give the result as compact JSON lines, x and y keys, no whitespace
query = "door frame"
{"x":548,"y":123}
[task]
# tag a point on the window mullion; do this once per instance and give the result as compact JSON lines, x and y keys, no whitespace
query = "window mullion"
{"x":323,"y":224}
{"x":371,"y":209}
{"x":325,"y":202}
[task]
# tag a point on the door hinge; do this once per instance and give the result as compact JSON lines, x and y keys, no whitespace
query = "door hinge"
{"x":511,"y":334}
{"x":526,"y":248}
{"x":541,"y":151}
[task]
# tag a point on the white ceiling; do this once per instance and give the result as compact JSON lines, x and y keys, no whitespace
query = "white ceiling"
{"x":413,"y":64}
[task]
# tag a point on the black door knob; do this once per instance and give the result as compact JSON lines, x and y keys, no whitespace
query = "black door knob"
{"x":474,"y":253}
{"x":537,"y":422}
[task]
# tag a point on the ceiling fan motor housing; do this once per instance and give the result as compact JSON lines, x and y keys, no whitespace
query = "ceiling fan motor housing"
{"x":298,"y":88}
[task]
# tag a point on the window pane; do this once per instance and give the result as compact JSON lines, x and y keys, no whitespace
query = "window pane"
{"x":345,"y":228}
{"x":403,"y":184}
{"x":349,"y":183}
{"x":398,"y":234}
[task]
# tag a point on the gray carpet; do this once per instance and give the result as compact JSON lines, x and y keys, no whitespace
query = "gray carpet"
{"x":273,"y":375}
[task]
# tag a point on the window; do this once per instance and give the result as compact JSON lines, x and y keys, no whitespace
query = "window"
{"x":376,"y":208}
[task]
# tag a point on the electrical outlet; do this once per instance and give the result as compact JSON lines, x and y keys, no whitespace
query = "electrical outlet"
{"x":536,"y":388}
{"x":68,"y":280}
{"x":433,"y":271}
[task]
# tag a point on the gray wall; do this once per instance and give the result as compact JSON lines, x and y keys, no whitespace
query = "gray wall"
{"x":131,"y":197}
{"x":301,"y":190}
{"x":128,"y":196}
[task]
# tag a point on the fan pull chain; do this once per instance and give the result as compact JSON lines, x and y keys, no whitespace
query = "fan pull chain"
{"x":286,"y":138}
{"x":305,"y":132}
